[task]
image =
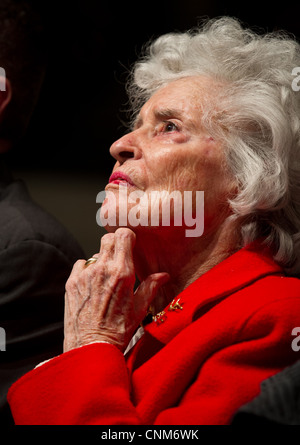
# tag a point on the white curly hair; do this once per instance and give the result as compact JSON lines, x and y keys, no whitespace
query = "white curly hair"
{"x":255,"y":113}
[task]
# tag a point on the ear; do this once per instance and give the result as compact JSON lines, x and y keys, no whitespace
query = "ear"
{"x":5,"y":93}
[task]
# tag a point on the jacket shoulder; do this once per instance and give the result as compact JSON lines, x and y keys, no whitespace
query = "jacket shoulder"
{"x":274,"y":287}
{"x":269,"y":302}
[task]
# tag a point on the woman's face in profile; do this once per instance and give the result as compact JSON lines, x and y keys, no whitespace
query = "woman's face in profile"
{"x":169,"y":150}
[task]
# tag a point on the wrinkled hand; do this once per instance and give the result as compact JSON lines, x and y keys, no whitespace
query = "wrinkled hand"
{"x":100,"y":302}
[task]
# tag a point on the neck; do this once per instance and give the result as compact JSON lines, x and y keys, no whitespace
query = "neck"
{"x":184,"y":259}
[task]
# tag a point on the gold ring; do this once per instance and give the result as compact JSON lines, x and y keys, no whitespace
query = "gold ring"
{"x":90,"y":261}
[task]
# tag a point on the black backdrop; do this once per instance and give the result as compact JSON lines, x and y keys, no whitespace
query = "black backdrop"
{"x":64,"y":159}
{"x":93,"y":42}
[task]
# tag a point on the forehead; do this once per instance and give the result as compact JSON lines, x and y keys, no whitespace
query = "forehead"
{"x":184,"y":95}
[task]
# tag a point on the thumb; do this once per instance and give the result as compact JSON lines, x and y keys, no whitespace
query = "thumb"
{"x":147,"y":291}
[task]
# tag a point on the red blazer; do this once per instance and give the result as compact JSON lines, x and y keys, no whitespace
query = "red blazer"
{"x":196,"y":367}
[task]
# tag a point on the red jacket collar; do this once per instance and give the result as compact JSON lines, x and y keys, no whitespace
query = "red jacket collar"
{"x":237,"y":271}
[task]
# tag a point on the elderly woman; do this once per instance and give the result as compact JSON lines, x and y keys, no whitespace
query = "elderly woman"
{"x":213,"y":110}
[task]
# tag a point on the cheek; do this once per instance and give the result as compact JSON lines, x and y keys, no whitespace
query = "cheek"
{"x":162,"y":172}
{"x":187,"y":169}
{"x":191,"y":173}
{"x":174,"y":173}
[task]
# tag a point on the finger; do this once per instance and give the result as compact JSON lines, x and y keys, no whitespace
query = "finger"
{"x":78,"y":267}
{"x":147,"y":291}
{"x":71,"y":284}
{"x":76,"y":286}
{"x":124,"y":244}
{"x":107,"y":246}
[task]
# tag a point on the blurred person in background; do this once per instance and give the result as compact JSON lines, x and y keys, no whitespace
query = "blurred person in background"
{"x":36,"y":252}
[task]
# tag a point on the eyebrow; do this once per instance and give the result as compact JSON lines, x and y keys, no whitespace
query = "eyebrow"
{"x":160,"y":114}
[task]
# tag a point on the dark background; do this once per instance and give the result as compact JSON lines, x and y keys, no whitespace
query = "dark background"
{"x":93,"y":43}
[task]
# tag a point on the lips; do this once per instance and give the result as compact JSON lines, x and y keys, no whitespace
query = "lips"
{"x":120,"y":178}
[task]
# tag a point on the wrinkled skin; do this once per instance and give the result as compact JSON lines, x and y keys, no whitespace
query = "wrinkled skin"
{"x":101,"y":304}
{"x":167,"y":150}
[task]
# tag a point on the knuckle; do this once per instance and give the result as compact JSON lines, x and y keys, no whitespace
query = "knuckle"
{"x":108,"y":238}
{"x":71,"y":285}
{"x":124,"y":232}
{"x":78,"y":266}
{"x":92,"y":273}
{"x":123,"y":272}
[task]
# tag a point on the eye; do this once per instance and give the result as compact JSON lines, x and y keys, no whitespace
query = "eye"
{"x":169,"y":126}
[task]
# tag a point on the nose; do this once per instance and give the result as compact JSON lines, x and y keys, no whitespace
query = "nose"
{"x":124,"y":148}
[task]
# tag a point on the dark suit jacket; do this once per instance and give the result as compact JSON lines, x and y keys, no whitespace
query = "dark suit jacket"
{"x":278,"y":402}
{"x":36,"y":258}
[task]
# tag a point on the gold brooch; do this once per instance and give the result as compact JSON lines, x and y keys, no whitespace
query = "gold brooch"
{"x":175,"y":305}
{"x":161,"y":316}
